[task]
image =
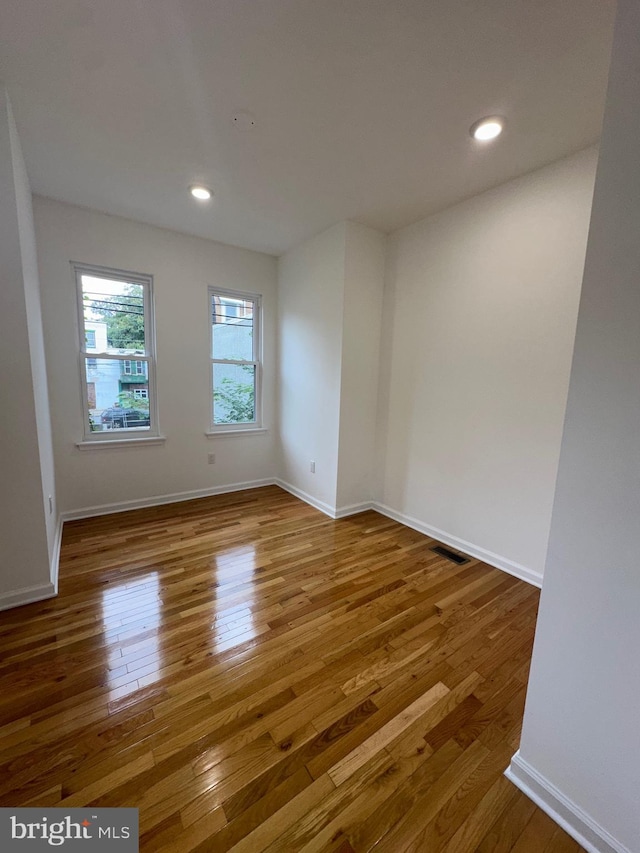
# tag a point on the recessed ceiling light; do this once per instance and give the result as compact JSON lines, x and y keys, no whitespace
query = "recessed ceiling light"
{"x":487,"y":128}
{"x":200,"y":192}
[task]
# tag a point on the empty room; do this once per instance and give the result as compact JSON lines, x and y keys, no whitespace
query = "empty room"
{"x":320,"y":335}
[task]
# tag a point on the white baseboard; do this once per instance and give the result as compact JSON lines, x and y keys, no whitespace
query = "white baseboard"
{"x":515,"y":569}
{"x":561,"y":809}
{"x":27,"y":595}
{"x":327,"y":509}
{"x":333,"y":512}
{"x":352,"y":509}
{"x":157,"y":500}
{"x":55,"y":557}
{"x":40,"y":592}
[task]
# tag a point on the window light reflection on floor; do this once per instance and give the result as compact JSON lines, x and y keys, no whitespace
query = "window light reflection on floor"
{"x":131,"y":617}
{"x":235,"y":622}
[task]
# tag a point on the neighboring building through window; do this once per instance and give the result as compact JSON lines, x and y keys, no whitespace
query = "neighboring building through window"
{"x":230,"y":307}
{"x":91,"y":394}
{"x":235,"y":360}
{"x":116,"y":325}
{"x":134,"y":368}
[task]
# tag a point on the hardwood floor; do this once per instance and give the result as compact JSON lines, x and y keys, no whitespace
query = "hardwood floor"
{"x":256,"y":677}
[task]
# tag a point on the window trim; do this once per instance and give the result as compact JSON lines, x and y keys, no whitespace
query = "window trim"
{"x":128,"y":277}
{"x":256,"y":362}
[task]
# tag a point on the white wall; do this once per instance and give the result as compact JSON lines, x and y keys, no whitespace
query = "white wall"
{"x":361,"y":325}
{"x":27,"y":526}
{"x":183,"y":267}
{"x":330,"y":304}
{"x":581,"y":732}
{"x":310,"y":315}
{"x":36,"y":343}
{"x":480,"y":311}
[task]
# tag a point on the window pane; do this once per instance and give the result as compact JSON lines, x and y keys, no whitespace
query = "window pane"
{"x":231,"y":307}
{"x":232,"y":328}
{"x":113,"y":315}
{"x":234,"y":393}
{"x":116,"y":400}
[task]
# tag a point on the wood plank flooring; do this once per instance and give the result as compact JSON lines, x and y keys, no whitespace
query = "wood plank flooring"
{"x":256,"y":677}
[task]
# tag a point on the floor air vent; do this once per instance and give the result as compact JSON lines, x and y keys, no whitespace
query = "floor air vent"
{"x":459,"y":559}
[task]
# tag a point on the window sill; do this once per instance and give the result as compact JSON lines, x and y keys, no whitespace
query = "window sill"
{"x":114,"y":443}
{"x":235,"y":432}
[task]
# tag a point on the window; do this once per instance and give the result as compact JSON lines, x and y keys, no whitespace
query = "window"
{"x":132,"y":368}
{"x":235,"y":360}
{"x":116,"y":323}
{"x":230,"y":307}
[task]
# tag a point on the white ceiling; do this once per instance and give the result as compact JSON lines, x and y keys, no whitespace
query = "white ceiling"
{"x":362,"y":107}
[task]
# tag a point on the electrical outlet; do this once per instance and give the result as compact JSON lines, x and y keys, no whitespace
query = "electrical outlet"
{"x":211,"y":458}
{"x":312,"y":467}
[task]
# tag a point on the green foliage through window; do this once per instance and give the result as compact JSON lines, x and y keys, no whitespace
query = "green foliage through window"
{"x":128,"y":401}
{"x":124,"y":317}
{"x":234,"y":402}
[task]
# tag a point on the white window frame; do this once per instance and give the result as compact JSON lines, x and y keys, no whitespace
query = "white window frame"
{"x":256,"y":361}
{"x":149,"y":357}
